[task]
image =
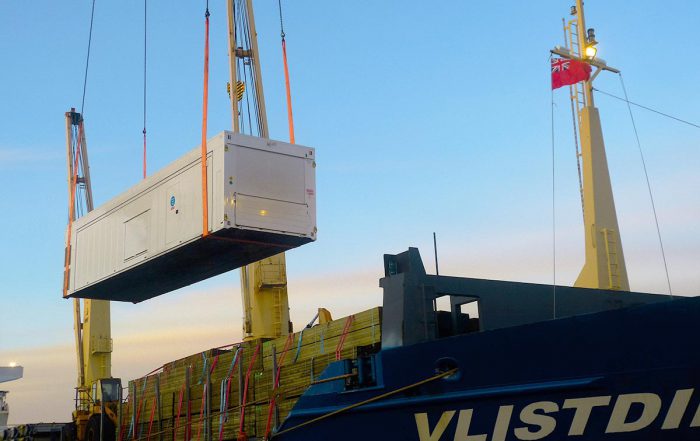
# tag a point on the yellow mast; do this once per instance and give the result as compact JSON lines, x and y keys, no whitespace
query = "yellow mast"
{"x":263,"y":283}
{"x":604,"y":267}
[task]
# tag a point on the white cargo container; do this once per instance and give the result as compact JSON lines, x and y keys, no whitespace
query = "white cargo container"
{"x":148,"y":240}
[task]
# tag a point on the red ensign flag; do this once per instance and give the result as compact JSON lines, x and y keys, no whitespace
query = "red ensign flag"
{"x":566,"y":72}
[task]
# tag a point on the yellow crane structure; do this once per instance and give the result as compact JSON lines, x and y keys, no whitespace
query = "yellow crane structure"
{"x":263,"y":283}
{"x":604,"y":267}
{"x":97,"y":394}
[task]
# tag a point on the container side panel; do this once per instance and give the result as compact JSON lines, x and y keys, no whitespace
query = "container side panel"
{"x":268,"y":174}
{"x":136,"y":232}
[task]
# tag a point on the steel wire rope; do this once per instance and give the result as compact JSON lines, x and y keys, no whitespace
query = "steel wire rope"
{"x":243,"y":69}
{"x":648,"y":108}
{"x":145,"y":47}
{"x":234,"y":87}
{"x":646,"y":176}
{"x":87,"y":59}
{"x":554,"y":217}
{"x":239,"y":69}
{"x":253,"y":72}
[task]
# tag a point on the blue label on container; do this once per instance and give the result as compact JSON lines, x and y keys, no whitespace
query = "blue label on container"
{"x":172,"y":201}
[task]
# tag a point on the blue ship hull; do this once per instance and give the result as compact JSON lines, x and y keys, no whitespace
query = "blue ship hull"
{"x":630,"y":373}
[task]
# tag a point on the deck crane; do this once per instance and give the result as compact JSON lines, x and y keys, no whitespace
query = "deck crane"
{"x":263,"y":283}
{"x":97,"y":394}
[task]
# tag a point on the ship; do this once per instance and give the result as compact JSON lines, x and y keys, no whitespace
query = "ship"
{"x":7,"y":373}
{"x":506,"y":361}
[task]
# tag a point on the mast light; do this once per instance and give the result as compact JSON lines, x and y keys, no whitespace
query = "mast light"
{"x":590,"y":49}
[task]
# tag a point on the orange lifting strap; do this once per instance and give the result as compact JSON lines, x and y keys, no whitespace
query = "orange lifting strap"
{"x":289,"y":92}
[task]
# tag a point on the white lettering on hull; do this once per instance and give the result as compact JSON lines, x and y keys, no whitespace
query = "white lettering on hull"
{"x":535,"y":421}
{"x":583,"y":407}
{"x":618,"y":420}
{"x":424,"y":432}
{"x":546,"y":423}
{"x":678,"y":406}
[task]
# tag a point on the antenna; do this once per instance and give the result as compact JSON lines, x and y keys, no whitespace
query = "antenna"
{"x":437,"y":270}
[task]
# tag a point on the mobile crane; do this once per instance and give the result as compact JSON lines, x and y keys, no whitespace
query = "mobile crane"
{"x":263,"y":283}
{"x":97,"y":393}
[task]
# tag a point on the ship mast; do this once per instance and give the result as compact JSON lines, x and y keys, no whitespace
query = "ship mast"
{"x":604,"y":267}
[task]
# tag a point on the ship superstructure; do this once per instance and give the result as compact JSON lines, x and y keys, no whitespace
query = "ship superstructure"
{"x":7,"y":373}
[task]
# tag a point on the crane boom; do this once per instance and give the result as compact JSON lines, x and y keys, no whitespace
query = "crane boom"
{"x":92,"y":326}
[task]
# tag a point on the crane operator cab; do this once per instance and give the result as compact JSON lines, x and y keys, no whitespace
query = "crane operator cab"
{"x":106,"y":389}
{"x":95,"y":416}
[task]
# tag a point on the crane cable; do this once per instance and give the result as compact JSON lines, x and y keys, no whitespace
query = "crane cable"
{"x":290,"y":116}
{"x":87,"y":58}
{"x":205,"y":102}
{"x":74,"y":177}
{"x":145,"y":3}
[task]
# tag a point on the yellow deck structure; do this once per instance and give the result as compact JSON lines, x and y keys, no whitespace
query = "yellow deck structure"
{"x":183,"y":400}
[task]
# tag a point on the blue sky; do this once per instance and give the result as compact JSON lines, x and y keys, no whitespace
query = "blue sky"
{"x":426,"y":116}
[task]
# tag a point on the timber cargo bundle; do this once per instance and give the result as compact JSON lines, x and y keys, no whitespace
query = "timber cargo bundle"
{"x":248,"y":389}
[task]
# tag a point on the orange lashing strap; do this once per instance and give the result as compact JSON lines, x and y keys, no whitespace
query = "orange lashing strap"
{"x":205,"y":102}
{"x":341,"y":342}
{"x":150,"y":423}
{"x":241,"y":427}
{"x":179,"y":411}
